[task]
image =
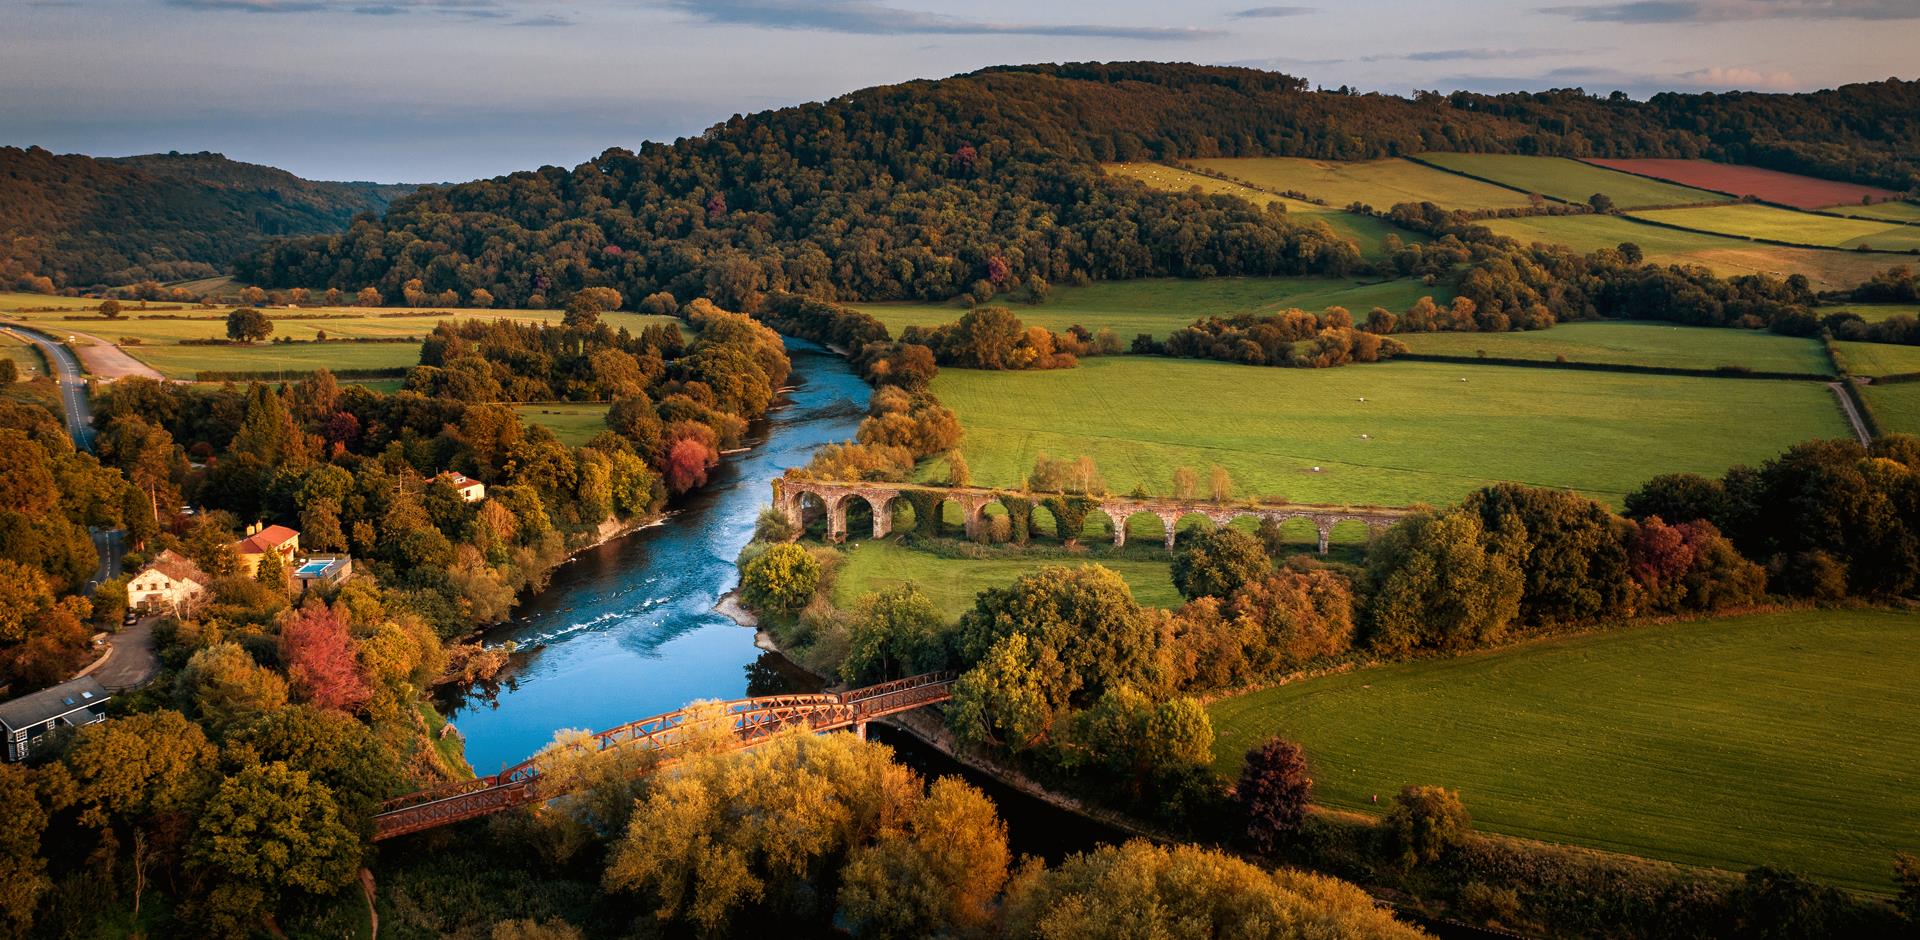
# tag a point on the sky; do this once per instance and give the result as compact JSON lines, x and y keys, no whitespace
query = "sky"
{"x":443,"y":90}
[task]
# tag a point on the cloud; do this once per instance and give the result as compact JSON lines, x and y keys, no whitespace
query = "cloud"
{"x":1269,"y":12}
{"x":867,"y":17}
{"x":1742,"y":78}
{"x":1597,"y":80}
{"x":473,"y":9}
{"x":1455,"y":55}
{"x":1721,"y":11}
{"x":542,"y":20}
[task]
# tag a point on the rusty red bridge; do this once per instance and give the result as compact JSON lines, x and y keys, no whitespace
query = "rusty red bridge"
{"x":754,"y":720}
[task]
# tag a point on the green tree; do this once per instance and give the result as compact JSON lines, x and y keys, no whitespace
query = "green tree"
{"x":247,"y":325}
{"x":1426,"y":823}
{"x":782,"y":578}
{"x":141,"y":769}
{"x":944,"y":869}
{"x":1601,"y":202}
{"x":270,"y":834}
{"x":894,"y":633}
{"x":1217,"y":563}
{"x":225,"y":687}
{"x":1138,"y":745}
{"x":1571,"y":551}
{"x":331,"y":748}
{"x":110,"y":309}
{"x":1439,"y":582}
{"x":23,"y":867}
{"x":272,"y":571}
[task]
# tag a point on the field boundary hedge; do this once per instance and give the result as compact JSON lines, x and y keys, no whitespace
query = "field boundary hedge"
{"x":1897,"y":378}
{"x":291,"y":375}
{"x":1723,"y":372}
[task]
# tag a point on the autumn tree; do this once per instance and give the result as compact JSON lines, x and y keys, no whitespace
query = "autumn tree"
{"x":782,"y":578}
{"x":1426,"y":823}
{"x":1185,"y":483}
{"x":269,"y":834}
{"x":247,"y":325}
{"x":225,"y":687}
{"x":321,"y":660}
{"x":111,"y":309}
{"x":1439,"y":580}
{"x":1219,"y":485}
{"x":368,"y":297}
{"x":945,"y":867}
{"x":1273,"y":792}
{"x":23,"y":865}
{"x":1216,"y":563}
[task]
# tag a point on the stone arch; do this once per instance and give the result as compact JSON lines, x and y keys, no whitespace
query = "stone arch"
{"x":1295,"y":530}
{"x":1142,"y":524}
{"x":808,"y":507}
{"x":1350,"y":531}
{"x":857,"y":515}
{"x":1042,"y":521}
{"x":1104,"y":521}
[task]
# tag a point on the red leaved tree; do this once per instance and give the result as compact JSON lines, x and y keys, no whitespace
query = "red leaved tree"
{"x":320,"y":660}
{"x":687,"y":463}
{"x":1273,"y":792}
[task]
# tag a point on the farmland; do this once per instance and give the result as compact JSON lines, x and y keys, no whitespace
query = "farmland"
{"x":952,"y":583}
{"x":1878,"y":358}
{"x":1614,"y":741}
{"x":1365,"y":231}
{"x":1872,"y":313}
{"x":25,"y":356}
{"x":1378,"y":183}
{"x":574,"y":423}
{"x":1161,"y":305}
{"x":1896,"y":211}
{"x":1635,"y":343}
{"x":1786,"y":225}
{"x":1425,"y":432}
{"x":1723,"y":255}
{"x":1896,"y":406}
{"x":1787,"y":189}
{"x":1571,"y":180}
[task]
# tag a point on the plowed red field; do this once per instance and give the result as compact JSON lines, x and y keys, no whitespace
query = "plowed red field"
{"x":1787,"y":189}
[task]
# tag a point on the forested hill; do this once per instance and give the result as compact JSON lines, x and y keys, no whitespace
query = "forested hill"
{"x":81,"y":221}
{"x":925,"y":188}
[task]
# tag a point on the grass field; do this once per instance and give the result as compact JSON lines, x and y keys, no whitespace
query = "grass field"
{"x":1897,"y":406}
{"x":574,"y":423}
{"x":1872,"y":313}
{"x":1781,"y":739}
{"x":1786,"y":225}
{"x":1896,"y":211}
{"x":1365,"y":231}
{"x":1635,"y":343}
{"x":1571,"y":180}
{"x":25,"y":356}
{"x":1787,"y":189}
{"x":1430,"y":436}
{"x":1161,"y":305}
{"x":1378,"y":183}
{"x":1878,"y":358}
{"x":952,"y":583}
{"x":1723,"y":255}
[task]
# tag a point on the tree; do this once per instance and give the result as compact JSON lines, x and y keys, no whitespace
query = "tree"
{"x":1216,"y":563}
{"x":247,"y":325}
{"x":782,"y":578}
{"x":111,"y":309}
{"x":1290,"y":618}
{"x":1906,"y":873}
{"x":24,"y":594}
{"x":9,"y":372}
{"x":530,"y":929}
{"x":1438,"y":581}
{"x":1426,"y":823}
{"x":894,"y":633}
{"x":1185,"y":483}
{"x":368,"y":297}
{"x":1679,"y":497}
{"x":23,"y":866}
{"x":958,"y":473}
{"x":583,"y":313}
{"x":252,"y":295}
{"x":1219,"y":485}
{"x":1601,"y":202}
{"x":331,"y":748}
{"x":268,"y":833}
{"x":480,"y":297}
{"x":943,"y":870}
{"x":272,"y":571}
{"x":1139,"y":746}
{"x":141,"y":769}
{"x":225,"y":687}
{"x":687,"y":463}
{"x":659,"y":303}
{"x":1273,"y":793}
{"x":1569,"y":548}
{"x":321,"y":660}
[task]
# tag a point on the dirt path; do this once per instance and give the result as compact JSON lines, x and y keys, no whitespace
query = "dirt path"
{"x":1853,"y":414}
{"x":107,"y":362}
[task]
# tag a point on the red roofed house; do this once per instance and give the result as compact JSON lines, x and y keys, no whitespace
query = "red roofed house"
{"x":261,"y":540}
{"x":471,"y":490}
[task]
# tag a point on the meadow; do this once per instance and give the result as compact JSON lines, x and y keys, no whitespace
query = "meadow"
{"x":1635,"y":343}
{"x":25,"y":356}
{"x":574,"y":423}
{"x":1159,"y":306}
{"x":1786,"y":225}
{"x":1366,"y":232}
{"x":952,"y":583}
{"x":1782,"y":738}
{"x":1378,"y":183}
{"x":1896,"y":406}
{"x":1571,"y":180}
{"x":1872,"y":313}
{"x":1386,"y":434}
{"x":1878,"y":358}
{"x":1787,"y":189}
{"x":1723,"y":255}
{"x":1895,"y":211}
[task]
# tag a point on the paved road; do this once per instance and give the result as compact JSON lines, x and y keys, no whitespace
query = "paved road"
{"x":132,"y":661}
{"x":73,"y":383}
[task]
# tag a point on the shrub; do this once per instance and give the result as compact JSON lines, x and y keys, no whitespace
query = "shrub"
{"x":1425,"y":824}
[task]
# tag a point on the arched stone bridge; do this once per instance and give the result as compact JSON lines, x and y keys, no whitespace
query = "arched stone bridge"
{"x":789,"y":497}
{"x":754,"y":720}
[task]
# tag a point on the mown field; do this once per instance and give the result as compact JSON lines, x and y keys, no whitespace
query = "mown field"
{"x":1635,"y":343}
{"x":1571,"y":180}
{"x":25,"y":356}
{"x":1161,"y":305}
{"x":1787,"y":189}
{"x":574,"y":423}
{"x":1896,"y":211}
{"x":1378,"y":183}
{"x":1426,"y":432}
{"x":952,"y":583}
{"x":1897,"y":406}
{"x":1786,"y":225}
{"x":1723,"y":255}
{"x":1783,"y":739}
{"x":1878,"y":358}
{"x":1872,"y":313}
{"x":1365,"y":231}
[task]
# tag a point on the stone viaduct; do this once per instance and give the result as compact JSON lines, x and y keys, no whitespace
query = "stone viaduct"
{"x":790,"y":495}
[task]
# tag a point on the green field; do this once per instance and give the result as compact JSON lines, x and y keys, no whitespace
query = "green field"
{"x":1161,"y":305}
{"x":183,"y":362}
{"x":1897,"y":406}
{"x":1434,"y":431}
{"x":574,"y":423}
{"x":1786,"y":225}
{"x":1377,"y":183}
{"x":1783,"y":739}
{"x":1878,"y":358}
{"x":25,"y":356}
{"x":1365,"y":231}
{"x":1635,"y":343}
{"x":1571,"y":180}
{"x":1897,"y":211}
{"x":1723,"y":255}
{"x":952,"y":583}
{"x":1872,"y":313}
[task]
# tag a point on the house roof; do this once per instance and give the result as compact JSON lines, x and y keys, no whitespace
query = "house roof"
{"x":459,"y":480}
{"x":176,"y":567}
{"x":265,"y":540}
{"x":48,"y":704}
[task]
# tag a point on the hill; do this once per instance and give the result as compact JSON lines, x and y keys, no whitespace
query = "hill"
{"x":920,"y":190}
{"x":82,"y":221}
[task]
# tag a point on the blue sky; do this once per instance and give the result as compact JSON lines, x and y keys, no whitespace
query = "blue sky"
{"x":426,"y":90}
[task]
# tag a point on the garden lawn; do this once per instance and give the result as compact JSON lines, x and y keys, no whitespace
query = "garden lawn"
{"x":574,"y":423}
{"x":1159,"y":306}
{"x":1366,"y":232}
{"x":952,"y":583}
{"x":1377,"y":183}
{"x":1878,"y":358}
{"x":1785,"y":739}
{"x":1636,"y":343}
{"x":1434,"y":431}
{"x":1896,"y":406}
{"x":1571,"y":180}
{"x":1786,"y":225}
{"x":1723,"y":255}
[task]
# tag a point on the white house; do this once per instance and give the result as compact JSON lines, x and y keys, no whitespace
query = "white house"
{"x":170,"y":582}
{"x":470,"y":489}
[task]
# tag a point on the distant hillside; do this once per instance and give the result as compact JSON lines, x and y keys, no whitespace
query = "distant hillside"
{"x":919,"y":190}
{"x":83,"y":221}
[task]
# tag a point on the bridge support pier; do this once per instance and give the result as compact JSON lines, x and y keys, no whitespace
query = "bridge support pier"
{"x":1326,"y":535}
{"x":860,"y":731}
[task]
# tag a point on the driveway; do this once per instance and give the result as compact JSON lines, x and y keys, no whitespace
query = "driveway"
{"x":132,"y":661}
